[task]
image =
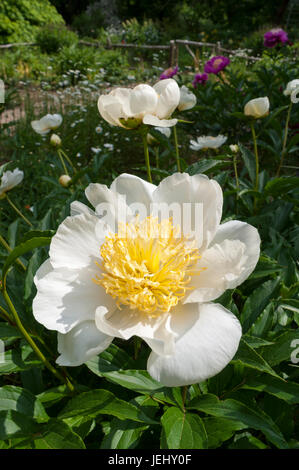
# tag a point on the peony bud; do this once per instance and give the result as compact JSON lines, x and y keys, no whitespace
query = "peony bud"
{"x":257,"y":108}
{"x":64,"y":180}
{"x":234,"y":148}
{"x":55,"y":140}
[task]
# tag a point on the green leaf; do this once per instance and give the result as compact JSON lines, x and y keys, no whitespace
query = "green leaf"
{"x":257,"y":302}
{"x":203,"y":166}
{"x":22,"y":401}
{"x":256,"y":342}
{"x":9,"y":332}
{"x":249,"y":161}
{"x":123,"y":435}
{"x":220,"y":430}
{"x":58,"y":435}
{"x":279,"y":186}
{"x":237,"y":411}
{"x":182,"y":430}
{"x":32,"y":267}
{"x":112,"y":359}
{"x":282,"y":349}
{"x":247,"y":356}
{"x":16,"y":360}
{"x":15,"y":424}
{"x":103,"y":402}
{"x":285,"y":390}
{"x":32,"y":240}
{"x":137,"y":380}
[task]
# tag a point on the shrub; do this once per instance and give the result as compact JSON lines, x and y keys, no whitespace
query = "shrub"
{"x":20,"y":19}
{"x":53,"y":37}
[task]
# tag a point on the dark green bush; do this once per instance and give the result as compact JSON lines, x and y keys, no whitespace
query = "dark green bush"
{"x":20,"y":19}
{"x":53,"y":37}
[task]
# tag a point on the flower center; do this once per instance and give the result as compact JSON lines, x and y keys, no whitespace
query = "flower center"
{"x":216,"y":63}
{"x":147,"y":265}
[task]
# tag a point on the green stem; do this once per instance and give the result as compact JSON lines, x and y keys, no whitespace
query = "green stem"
{"x":18,"y":211}
{"x":146,"y":156}
{"x":68,"y":160}
{"x":256,"y":163}
{"x":5,"y":315}
{"x":184,"y":394}
{"x":7,"y":247}
{"x":31,"y":342}
{"x":177,"y":156}
{"x":286,"y":129}
{"x":62,"y":162}
{"x":157,"y":156}
{"x":236,"y":172}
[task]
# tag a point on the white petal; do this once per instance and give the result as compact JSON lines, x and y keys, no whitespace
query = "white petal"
{"x":152,"y":120}
{"x":182,"y":188}
{"x":134,"y":189}
{"x":202,"y":352}
{"x":247,"y":234}
{"x":77,"y":242}
{"x":65,"y":297}
{"x":223,"y":267}
{"x":111,"y":206}
{"x":143,"y":99}
{"x":81,"y":344}
{"x":169,"y":97}
{"x":78,"y":207}
{"x":38,"y":127}
{"x":126,"y":323}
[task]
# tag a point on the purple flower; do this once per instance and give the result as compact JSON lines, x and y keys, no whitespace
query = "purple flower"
{"x":274,"y":37}
{"x":216,"y":64}
{"x":169,"y":73}
{"x":200,"y":78}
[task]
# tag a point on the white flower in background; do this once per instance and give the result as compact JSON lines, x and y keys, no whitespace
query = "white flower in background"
{"x":98,"y":284}
{"x":164,"y":130}
{"x":234,"y":148}
{"x":257,"y":108}
{"x":208,"y":142}
{"x":291,"y":86}
{"x":10,"y":179}
{"x":293,"y":90}
{"x":55,"y":140}
{"x":47,"y":123}
{"x":99,"y":129}
{"x":187,"y":99}
{"x":128,"y":108}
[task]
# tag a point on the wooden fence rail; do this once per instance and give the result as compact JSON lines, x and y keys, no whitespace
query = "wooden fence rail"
{"x":173,"y":47}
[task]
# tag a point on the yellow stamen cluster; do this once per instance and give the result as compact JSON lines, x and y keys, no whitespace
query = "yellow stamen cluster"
{"x":147,"y":265}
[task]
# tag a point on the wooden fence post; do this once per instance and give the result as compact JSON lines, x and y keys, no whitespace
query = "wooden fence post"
{"x":172,"y":52}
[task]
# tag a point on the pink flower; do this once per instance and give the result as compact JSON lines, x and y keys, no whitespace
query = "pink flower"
{"x":169,"y":73}
{"x":200,"y":78}
{"x":274,"y":37}
{"x":216,"y":64}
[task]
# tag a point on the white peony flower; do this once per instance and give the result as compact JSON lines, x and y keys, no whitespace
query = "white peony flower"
{"x":291,"y":86}
{"x":129,"y":108}
{"x":257,"y":108}
{"x":187,"y":99}
{"x":47,"y":123}
{"x":98,"y":284}
{"x":164,"y":130}
{"x":208,"y":142}
{"x":10,"y":179}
